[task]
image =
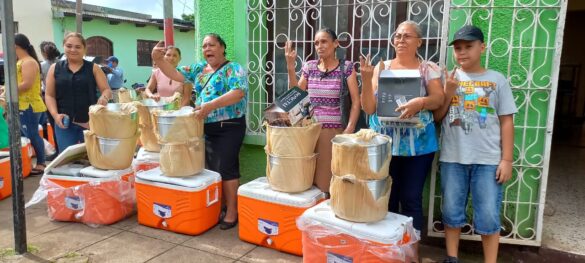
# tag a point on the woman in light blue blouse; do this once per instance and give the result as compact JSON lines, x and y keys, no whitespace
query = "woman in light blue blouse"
{"x":413,"y":145}
{"x":220,"y":88}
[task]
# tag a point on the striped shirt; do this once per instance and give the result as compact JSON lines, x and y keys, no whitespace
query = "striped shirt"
{"x":324,"y":91}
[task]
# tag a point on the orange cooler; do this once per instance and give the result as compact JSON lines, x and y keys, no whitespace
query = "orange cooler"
{"x":327,"y":238}
{"x":26,"y":153}
{"x":267,"y":217}
{"x":90,"y":195}
{"x":146,"y":160}
{"x":187,"y":205}
{"x":5,"y":178}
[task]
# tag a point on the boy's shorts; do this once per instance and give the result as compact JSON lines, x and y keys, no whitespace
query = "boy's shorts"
{"x":457,"y":180}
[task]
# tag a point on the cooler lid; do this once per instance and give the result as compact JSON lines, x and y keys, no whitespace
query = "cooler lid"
{"x":389,"y":230}
{"x":260,"y":189}
{"x":91,"y":171}
{"x":24,"y":141}
{"x":75,"y":178}
{"x":144,"y":155}
{"x":70,"y":169}
{"x":196,"y":182}
{"x":70,"y":154}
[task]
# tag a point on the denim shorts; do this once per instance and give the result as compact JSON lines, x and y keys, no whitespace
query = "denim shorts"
{"x":457,"y":181}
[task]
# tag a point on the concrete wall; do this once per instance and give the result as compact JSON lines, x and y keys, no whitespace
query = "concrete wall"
{"x":34,"y":20}
{"x":124,"y":37}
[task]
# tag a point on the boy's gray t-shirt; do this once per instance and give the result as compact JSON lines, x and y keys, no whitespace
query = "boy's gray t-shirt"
{"x":471,"y":128}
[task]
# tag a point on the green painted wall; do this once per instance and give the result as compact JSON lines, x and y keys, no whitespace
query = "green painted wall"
{"x":124,"y":38}
{"x":231,"y":25}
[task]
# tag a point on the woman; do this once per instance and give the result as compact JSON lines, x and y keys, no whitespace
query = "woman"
{"x":221,"y":88}
{"x":30,"y":103}
{"x":322,"y":79}
{"x":163,"y":86}
{"x":413,"y":146}
{"x":72,"y":86}
{"x":50,"y":54}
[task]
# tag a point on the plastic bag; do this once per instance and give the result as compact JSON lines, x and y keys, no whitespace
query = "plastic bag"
{"x":360,"y":200}
{"x":92,"y":201}
{"x":326,"y":238}
{"x":49,"y":148}
{"x":292,"y":141}
{"x":183,"y":159}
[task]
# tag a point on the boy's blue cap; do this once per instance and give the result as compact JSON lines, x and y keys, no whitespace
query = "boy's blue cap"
{"x":112,"y":59}
{"x":467,"y":33}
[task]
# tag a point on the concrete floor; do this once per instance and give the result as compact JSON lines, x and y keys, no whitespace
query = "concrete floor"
{"x":127,"y":241}
{"x":564,"y":224}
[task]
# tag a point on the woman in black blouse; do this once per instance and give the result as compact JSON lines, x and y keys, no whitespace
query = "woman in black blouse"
{"x":72,"y":86}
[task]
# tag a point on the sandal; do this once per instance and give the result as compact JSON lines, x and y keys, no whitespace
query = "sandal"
{"x":223,"y":225}
{"x":37,"y":171}
{"x":222,"y":213}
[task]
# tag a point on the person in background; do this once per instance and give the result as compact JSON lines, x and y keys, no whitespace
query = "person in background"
{"x":30,"y":102}
{"x":72,"y":86}
{"x":221,"y":89}
{"x":159,"y":85}
{"x":413,"y":145}
{"x":50,"y":54}
{"x":322,"y":79}
{"x":115,"y":76}
{"x":477,"y":144}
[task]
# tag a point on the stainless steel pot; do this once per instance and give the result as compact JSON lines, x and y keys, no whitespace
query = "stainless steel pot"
{"x":164,"y":124}
{"x":107,"y":145}
{"x":114,"y":106}
{"x":378,"y":148}
{"x":376,"y":187}
{"x":152,"y":104}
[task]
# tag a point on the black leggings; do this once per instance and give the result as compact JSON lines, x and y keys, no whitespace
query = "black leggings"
{"x":223,"y":140}
{"x":409,"y":174}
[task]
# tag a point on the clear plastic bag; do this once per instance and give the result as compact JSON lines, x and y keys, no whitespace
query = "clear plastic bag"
{"x":326,"y":238}
{"x":92,"y":201}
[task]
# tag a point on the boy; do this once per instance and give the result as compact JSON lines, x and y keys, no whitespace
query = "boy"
{"x":477,"y":144}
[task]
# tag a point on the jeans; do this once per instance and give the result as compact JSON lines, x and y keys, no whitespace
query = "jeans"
{"x":29,"y":122}
{"x":457,"y":181}
{"x":409,"y":174}
{"x":67,"y":137}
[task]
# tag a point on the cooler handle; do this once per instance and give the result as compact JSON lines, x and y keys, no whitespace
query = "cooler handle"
{"x":216,"y":197}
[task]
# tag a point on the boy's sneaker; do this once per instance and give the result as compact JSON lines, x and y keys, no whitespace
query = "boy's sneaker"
{"x":451,"y":260}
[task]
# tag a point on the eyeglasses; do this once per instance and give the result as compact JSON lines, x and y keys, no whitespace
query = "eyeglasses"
{"x":406,"y":37}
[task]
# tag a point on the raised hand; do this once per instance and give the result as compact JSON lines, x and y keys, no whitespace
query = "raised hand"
{"x":451,"y":81}
{"x":366,"y":68}
{"x":290,"y":54}
{"x":158,"y":52}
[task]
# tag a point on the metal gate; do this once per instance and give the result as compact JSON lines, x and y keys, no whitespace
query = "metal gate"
{"x":362,"y":26}
{"x":524,"y":40}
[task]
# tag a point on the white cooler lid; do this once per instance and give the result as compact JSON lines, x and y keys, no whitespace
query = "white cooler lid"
{"x":196,"y":182}
{"x":91,"y":171}
{"x":260,"y":189}
{"x":70,"y":169}
{"x":389,"y":230}
{"x":75,"y":178}
{"x":144,"y":155}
